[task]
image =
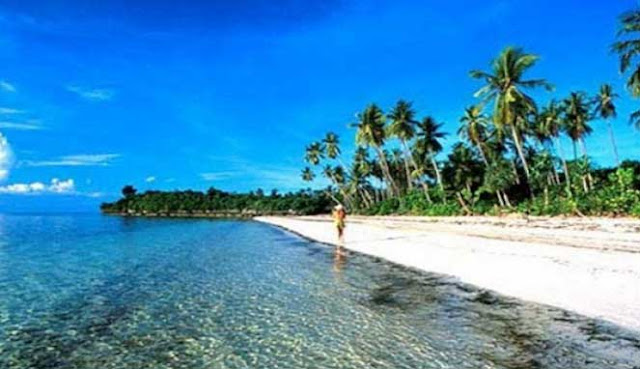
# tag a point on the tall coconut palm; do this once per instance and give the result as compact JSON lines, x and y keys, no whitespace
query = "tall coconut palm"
{"x":576,"y":124}
{"x":628,"y":48}
{"x":606,"y":109}
{"x":577,"y":116}
{"x":314,"y":153}
{"x":473,"y":128}
{"x":307,"y":174}
{"x":550,"y":123}
{"x":505,"y":86}
{"x":402,"y":126}
{"x":331,"y":144}
{"x":372,"y":133}
{"x":429,"y":136}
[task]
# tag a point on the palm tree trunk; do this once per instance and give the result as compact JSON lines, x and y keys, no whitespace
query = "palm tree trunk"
{"x":482,"y":155}
{"x":406,"y":165}
{"x":385,"y":170}
{"x":613,"y":142}
{"x":462,"y":203}
{"x":565,"y":167}
{"x":425,"y":189}
{"x":506,"y":200}
{"x":520,"y":151}
{"x":546,"y":196}
{"x":499,"y":199}
{"x":583,"y":147}
{"x":362,"y":192}
{"x":515,"y":170}
{"x":346,"y":196}
{"x":437,"y":170}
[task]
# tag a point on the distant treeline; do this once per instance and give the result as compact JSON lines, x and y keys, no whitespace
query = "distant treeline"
{"x":217,"y":203}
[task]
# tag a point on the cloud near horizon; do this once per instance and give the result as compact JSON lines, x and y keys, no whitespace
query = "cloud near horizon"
{"x":6,"y":86}
{"x":80,"y":160}
{"x":92,"y":94}
{"x":8,"y":111}
{"x":150,"y":179}
{"x":32,"y":125}
{"x":217,"y":176}
{"x":6,"y":157}
{"x":56,"y":186}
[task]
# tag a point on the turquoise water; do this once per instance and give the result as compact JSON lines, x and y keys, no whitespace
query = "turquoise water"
{"x":88,"y":291}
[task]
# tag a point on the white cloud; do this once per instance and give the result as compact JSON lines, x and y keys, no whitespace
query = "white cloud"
{"x":217,"y":176}
{"x":56,"y":186}
{"x":8,"y":111}
{"x":93,"y":94}
{"x":81,"y":160}
{"x":6,"y":157}
{"x":21,"y":126}
{"x":6,"y":86}
{"x":61,"y":186}
{"x":150,"y":179}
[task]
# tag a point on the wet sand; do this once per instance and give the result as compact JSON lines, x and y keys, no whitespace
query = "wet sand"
{"x":587,"y":265}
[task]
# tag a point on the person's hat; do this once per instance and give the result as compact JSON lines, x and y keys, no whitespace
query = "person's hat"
{"x":339,"y":207}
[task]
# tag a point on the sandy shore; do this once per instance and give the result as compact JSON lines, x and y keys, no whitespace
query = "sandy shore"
{"x":589,"y":266}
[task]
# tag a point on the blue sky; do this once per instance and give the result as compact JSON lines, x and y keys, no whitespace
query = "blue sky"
{"x":227,"y":94}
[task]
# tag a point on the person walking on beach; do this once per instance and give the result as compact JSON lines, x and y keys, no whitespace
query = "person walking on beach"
{"x":339,"y":216}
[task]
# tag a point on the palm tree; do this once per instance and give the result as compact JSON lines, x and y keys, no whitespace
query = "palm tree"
{"x":402,"y":126}
{"x":498,"y":177}
{"x":462,"y":170}
{"x":505,"y":85}
{"x":307,"y":174}
{"x":314,"y":153}
{"x":606,"y":109}
{"x":371,"y":133}
{"x":576,"y":112}
{"x":628,"y":48}
{"x":473,"y":128}
{"x":577,"y":115}
{"x":429,"y":135}
{"x":550,"y":123}
{"x":332,"y":145}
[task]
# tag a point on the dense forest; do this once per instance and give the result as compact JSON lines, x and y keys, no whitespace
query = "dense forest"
{"x":509,"y":157}
{"x":216,"y":203}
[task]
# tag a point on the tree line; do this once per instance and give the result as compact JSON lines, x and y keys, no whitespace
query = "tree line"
{"x":508,"y":158}
{"x":215,"y":202}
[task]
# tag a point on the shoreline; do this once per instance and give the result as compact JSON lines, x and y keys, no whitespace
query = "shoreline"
{"x":593,"y":269}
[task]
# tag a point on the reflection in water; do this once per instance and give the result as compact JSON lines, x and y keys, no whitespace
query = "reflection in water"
{"x":105,"y":293}
{"x":339,"y":258}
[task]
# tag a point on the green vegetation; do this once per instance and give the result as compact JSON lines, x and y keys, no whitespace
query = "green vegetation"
{"x":509,"y":157}
{"x":216,"y":203}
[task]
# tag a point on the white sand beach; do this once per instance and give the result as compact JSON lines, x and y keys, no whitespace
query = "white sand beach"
{"x":589,"y":266}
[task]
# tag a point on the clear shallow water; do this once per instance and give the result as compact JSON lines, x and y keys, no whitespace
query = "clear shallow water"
{"x":108,"y":292}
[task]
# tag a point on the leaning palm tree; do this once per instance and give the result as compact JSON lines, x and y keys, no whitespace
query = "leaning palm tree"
{"x":371,"y":133}
{"x":314,"y":153}
{"x":628,"y":48}
{"x":429,"y":136}
{"x":473,"y":128}
{"x":505,"y":86}
{"x":606,"y":109}
{"x":402,"y":126}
